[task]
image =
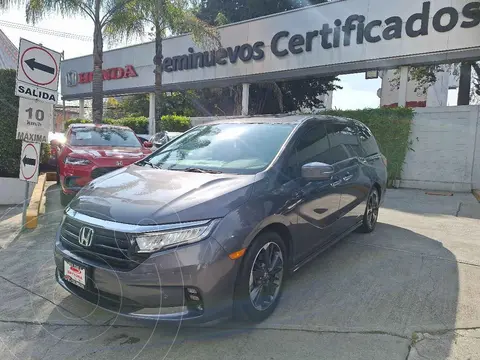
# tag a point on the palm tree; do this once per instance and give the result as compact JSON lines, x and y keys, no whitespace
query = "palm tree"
{"x":161,"y":17}
{"x":100,"y":12}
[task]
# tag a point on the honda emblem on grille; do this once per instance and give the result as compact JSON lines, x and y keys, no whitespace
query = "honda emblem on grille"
{"x":85,"y":236}
{"x":120,"y":163}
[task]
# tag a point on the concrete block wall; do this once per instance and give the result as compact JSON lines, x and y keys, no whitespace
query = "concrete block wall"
{"x":476,"y":157}
{"x":446,"y":149}
{"x":13,"y":191}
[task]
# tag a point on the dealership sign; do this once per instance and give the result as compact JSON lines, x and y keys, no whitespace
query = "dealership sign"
{"x":73,"y":78}
{"x":354,"y":29}
{"x":332,"y":38}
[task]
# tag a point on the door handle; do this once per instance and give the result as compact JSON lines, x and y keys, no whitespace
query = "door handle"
{"x":336,"y":183}
{"x":347,"y":178}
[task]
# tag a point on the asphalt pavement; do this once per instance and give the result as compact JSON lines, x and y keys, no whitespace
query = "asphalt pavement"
{"x":409,"y":290}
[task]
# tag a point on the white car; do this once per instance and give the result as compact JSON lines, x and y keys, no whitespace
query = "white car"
{"x":163,"y":137}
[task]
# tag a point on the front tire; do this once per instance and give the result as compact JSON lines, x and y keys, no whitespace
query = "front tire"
{"x":370,"y":216}
{"x":260,"y":280}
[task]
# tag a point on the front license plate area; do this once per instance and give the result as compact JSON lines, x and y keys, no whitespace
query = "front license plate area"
{"x":75,"y":274}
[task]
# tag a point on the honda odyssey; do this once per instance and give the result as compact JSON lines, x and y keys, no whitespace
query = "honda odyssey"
{"x":210,"y":224}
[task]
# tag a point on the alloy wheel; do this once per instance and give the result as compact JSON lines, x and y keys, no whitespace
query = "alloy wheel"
{"x":266,"y":276}
{"x":372,"y":209}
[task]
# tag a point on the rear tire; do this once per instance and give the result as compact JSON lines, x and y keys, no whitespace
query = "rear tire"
{"x":370,"y":216}
{"x":65,"y":198}
{"x":58,"y":175}
{"x":260,"y":279}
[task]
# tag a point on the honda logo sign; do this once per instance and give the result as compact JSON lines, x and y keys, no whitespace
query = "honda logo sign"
{"x":85,"y":236}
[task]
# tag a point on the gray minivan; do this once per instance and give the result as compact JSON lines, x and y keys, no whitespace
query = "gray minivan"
{"x":210,"y":224}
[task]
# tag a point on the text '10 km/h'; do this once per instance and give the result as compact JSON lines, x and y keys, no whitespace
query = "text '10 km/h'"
{"x":39,"y":114}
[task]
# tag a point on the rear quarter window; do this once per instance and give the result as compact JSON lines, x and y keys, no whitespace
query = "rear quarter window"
{"x":367,"y":140}
{"x":344,"y":143}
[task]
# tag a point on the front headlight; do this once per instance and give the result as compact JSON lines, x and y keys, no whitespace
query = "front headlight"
{"x":155,"y":241}
{"x":76,"y":161}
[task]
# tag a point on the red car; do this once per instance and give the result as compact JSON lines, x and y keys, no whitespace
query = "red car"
{"x":91,"y":151}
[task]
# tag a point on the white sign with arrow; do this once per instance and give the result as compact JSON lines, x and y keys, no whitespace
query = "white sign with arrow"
{"x":29,"y":161}
{"x":37,"y":72}
{"x":34,"y":120}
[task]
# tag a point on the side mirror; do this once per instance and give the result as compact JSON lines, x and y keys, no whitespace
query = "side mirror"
{"x":147,"y":144}
{"x":317,"y":171}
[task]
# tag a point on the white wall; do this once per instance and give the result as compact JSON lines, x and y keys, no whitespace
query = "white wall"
{"x":446,"y":144}
{"x":16,"y":191}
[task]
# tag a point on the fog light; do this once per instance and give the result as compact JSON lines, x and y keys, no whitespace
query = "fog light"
{"x":193,"y":299}
{"x":192,"y":291}
{"x":71,"y":181}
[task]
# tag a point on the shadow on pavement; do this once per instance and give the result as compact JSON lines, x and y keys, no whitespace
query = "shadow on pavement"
{"x":362,"y":299}
{"x":9,"y":211}
{"x":371,"y":296}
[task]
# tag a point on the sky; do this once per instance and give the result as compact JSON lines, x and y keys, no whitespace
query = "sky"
{"x":357,"y":93}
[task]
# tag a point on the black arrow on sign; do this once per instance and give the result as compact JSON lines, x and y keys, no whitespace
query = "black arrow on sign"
{"x":28,"y":161}
{"x":32,"y":64}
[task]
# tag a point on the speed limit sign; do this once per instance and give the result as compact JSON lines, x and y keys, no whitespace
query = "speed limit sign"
{"x":34,"y":120}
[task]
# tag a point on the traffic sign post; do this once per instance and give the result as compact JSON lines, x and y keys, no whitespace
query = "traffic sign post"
{"x":29,"y":164}
{"x":34,"y":120}
{"x":38,"y":66}
{"x":29,"y":161}
{"x":36,"y":84}
{"x":28,"y":91}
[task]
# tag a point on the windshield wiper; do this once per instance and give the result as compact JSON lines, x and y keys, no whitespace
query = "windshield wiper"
{"x":198,"y":170}
{"x":149,"y":163}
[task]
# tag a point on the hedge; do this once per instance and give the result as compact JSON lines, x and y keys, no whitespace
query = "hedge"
{"x":140,"y":124}
{"x":391,"y":128}
{"x":175,"y":123}
{"x":10,"y":149}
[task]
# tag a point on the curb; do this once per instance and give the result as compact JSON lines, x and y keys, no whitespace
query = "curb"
{"x":35,"y":205}
{"x":476,"y":193}
{"x":51,"y":176}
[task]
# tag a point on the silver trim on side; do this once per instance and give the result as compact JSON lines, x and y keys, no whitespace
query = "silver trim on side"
{"x":130,"y":228}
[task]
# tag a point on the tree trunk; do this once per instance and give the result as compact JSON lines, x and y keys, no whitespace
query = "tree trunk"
{"x":464,"y":84}
{"x":476,"y":81}
{"x":97,"y":85}
{"x":158,"y":78}
{"x":237,"y":99}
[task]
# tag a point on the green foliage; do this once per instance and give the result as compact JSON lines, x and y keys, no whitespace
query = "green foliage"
{"x":140,"y":124}
{"x":179,"y":102}
{"x":391,"y":128}
{"x":10,"y":149}
{"x":44,"y":153}
{"x":133,"y":105}
{"x":175,"y":123}
{"x":222,"y":12}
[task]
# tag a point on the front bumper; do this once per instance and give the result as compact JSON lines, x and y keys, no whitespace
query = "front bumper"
{"x":74,"y":178}
{"x":157,"y":288}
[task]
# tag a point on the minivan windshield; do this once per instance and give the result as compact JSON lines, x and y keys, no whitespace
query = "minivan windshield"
{"x":103,"y":136}
{"x":241,"y":148}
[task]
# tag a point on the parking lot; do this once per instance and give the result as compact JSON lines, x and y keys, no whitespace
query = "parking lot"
{"x":410,"y":290}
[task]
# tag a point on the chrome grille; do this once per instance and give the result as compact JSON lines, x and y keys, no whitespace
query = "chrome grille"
{"x":102,"y":171}
{"x":109,"y":248}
